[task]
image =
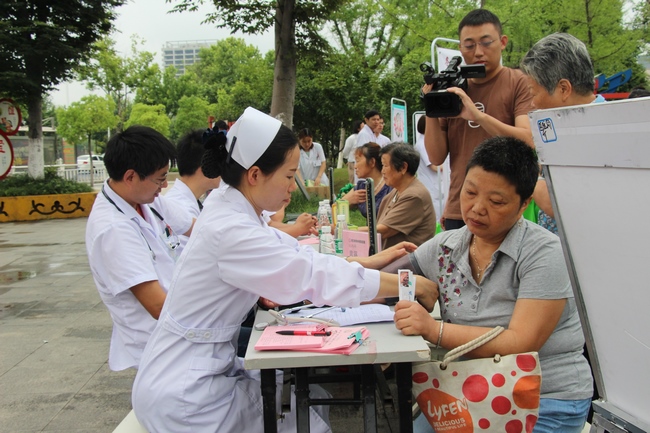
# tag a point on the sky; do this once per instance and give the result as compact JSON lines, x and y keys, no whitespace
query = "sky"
{"x":150,"y":20}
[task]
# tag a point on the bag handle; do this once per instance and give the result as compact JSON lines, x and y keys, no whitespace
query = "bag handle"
{"x":469,"y":346}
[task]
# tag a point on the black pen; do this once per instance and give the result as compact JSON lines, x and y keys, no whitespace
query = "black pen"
{"x":308,"y":333}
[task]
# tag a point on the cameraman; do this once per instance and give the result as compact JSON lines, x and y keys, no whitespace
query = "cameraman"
{"x":495,"y":105}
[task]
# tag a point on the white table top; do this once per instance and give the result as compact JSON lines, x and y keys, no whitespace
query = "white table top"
{"x":385,"y":344}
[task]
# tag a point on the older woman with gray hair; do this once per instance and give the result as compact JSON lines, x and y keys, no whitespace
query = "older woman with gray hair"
{"x":406,"y":213}
{"x":560,"y":74}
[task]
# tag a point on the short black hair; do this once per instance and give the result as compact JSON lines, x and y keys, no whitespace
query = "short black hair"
{"x":370,"y":151}
{"x":400,"y":154}
{"x":422,"y":124}
{"x":638,"y":92}
{"x":138,"y":148}
{"x":190,"y":152}
{"x":511,"y":158}
{"x":220,"y":125}
{"x":478,"y":17}
{"x":304,"y":132}
{"x":216,"y":162}
{"x":371,"y":113}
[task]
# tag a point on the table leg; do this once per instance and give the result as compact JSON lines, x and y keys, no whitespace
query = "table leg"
{"x":368,"y":385}
{"x":302,"y":400}
{"x":404,"y":396}
{"x":268,"y":400}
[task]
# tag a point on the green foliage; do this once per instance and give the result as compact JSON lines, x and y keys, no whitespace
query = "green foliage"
{"x":23,"y":184}
{"x":41,"y":42}
{"x":234,"y":75}
{"x":93,"y":114}
{"x":193,"y":113}
{"x":116,"y":75}
{"x":152,"y":116}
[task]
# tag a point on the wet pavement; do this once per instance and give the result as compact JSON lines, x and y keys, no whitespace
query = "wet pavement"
{"x":54,"y":338}
{"x":54,"y":335}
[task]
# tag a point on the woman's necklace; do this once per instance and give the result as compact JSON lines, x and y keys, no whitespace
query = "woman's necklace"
{"x":479,"y":269}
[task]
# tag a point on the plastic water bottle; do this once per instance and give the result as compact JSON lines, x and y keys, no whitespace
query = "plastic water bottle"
{"x":321,"y":217}
{"x":328,"y":209}
{"x":326,"y":245}
{"x":341,"y":225}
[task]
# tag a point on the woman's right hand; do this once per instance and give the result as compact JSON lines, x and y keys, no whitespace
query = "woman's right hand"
{"x":355,"y":196}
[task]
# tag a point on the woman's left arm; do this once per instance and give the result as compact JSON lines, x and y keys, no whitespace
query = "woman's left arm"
{"x":532,"y":323}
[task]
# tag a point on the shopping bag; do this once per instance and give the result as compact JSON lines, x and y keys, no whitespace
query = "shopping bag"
{"x":499,"y":394}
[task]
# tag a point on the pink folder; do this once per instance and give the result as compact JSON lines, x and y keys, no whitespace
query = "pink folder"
{"x":338,"y":342}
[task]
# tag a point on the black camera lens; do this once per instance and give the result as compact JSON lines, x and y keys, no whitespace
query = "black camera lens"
{"x":444,"y":100}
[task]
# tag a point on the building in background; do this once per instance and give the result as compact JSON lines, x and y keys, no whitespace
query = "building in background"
{"x":183,"y":53}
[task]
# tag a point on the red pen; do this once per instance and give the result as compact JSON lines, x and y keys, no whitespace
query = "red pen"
{"x":308,"y":333}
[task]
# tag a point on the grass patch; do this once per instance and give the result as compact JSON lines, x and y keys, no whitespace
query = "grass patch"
{"x":300,"y":204}
{"x":23,"y":184}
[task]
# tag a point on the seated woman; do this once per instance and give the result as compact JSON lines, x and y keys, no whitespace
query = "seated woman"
{"x":367,"y":164}
{"x":406,"y":213}
{"x":190,"y":378}
{"x":501,"y":269}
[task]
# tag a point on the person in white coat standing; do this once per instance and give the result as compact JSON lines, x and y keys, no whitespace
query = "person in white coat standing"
{"x":190,"y":379}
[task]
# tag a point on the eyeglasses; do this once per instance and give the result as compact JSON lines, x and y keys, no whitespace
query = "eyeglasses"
{"x":472,"y":47}
{"x":159,"y":182}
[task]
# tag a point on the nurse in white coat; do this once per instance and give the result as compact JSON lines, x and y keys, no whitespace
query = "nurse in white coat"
{"x":190,"y":379}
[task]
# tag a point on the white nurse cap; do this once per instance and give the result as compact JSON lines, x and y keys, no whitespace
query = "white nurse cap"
{"x":250,"y":136}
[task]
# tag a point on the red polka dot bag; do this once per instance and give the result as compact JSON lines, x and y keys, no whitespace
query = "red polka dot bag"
{"x":499,"y":394}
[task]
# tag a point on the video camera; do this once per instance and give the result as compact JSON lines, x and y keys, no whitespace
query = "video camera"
{"x":440,"y":103}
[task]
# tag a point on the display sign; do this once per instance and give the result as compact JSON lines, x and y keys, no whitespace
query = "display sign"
{"x":6,"y":155}
{"x":398,"y":124}
{"x":10,"y":116}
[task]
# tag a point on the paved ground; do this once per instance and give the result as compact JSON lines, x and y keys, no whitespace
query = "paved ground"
{"x":54,"y":338}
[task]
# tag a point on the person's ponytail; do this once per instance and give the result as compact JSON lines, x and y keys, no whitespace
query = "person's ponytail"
{"x":215,"y":154}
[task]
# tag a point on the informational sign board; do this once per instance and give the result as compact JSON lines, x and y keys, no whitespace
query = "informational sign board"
{"x":398,"y":121}
{"x":6,"y":155}
{"x":10,"y":117}
{"x":596,"y":161}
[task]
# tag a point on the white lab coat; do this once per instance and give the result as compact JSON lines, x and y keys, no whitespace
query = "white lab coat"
{"x":125,"y":250}
{"x":190,"y":379}
{"x":182,"y":196}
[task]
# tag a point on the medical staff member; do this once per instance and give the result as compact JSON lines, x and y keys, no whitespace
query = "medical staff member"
{"x":190,"y":379}
{"x":132,"y":237}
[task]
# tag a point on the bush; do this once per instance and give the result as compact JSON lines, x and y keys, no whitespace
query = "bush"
{"x":51,"y":183}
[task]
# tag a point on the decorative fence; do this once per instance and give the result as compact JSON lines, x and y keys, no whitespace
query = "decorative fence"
{"x":71,"y":172}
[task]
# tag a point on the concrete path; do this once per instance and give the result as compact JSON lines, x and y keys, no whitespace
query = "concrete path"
{"x":54,"y":335}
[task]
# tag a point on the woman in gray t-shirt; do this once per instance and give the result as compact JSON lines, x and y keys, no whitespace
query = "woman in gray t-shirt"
{"x":503,"y":270}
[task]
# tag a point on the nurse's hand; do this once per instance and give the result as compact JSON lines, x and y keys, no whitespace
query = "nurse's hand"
{"x":386,"y":257}
{"x":306,"y":224}
{"x":426,"y":292}
{"x":266,"y":303}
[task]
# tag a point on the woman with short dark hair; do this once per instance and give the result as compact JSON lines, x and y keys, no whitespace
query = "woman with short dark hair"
{"x":406,"y":213}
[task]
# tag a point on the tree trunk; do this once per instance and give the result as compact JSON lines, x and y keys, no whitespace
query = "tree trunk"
{"x":35,"y":137}
{"x":92,"y":167}
{"x":284,"y":74}
{"x":339,"y":163}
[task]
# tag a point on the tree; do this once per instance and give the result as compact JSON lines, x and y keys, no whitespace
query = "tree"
{"x":164,"y":87}
{"x":82,"y":119}
{"x":193,"y":113}
{"x":41,"y":42}
{"x":153,"y":116}
{"x":239,"y":69}
{"x":117,"y":75}
{"x":295,"y":25}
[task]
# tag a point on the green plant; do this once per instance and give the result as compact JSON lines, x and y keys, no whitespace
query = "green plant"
{"x":51,"y":183}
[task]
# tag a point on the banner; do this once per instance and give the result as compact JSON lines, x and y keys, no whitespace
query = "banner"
{"x":398,"y":121}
